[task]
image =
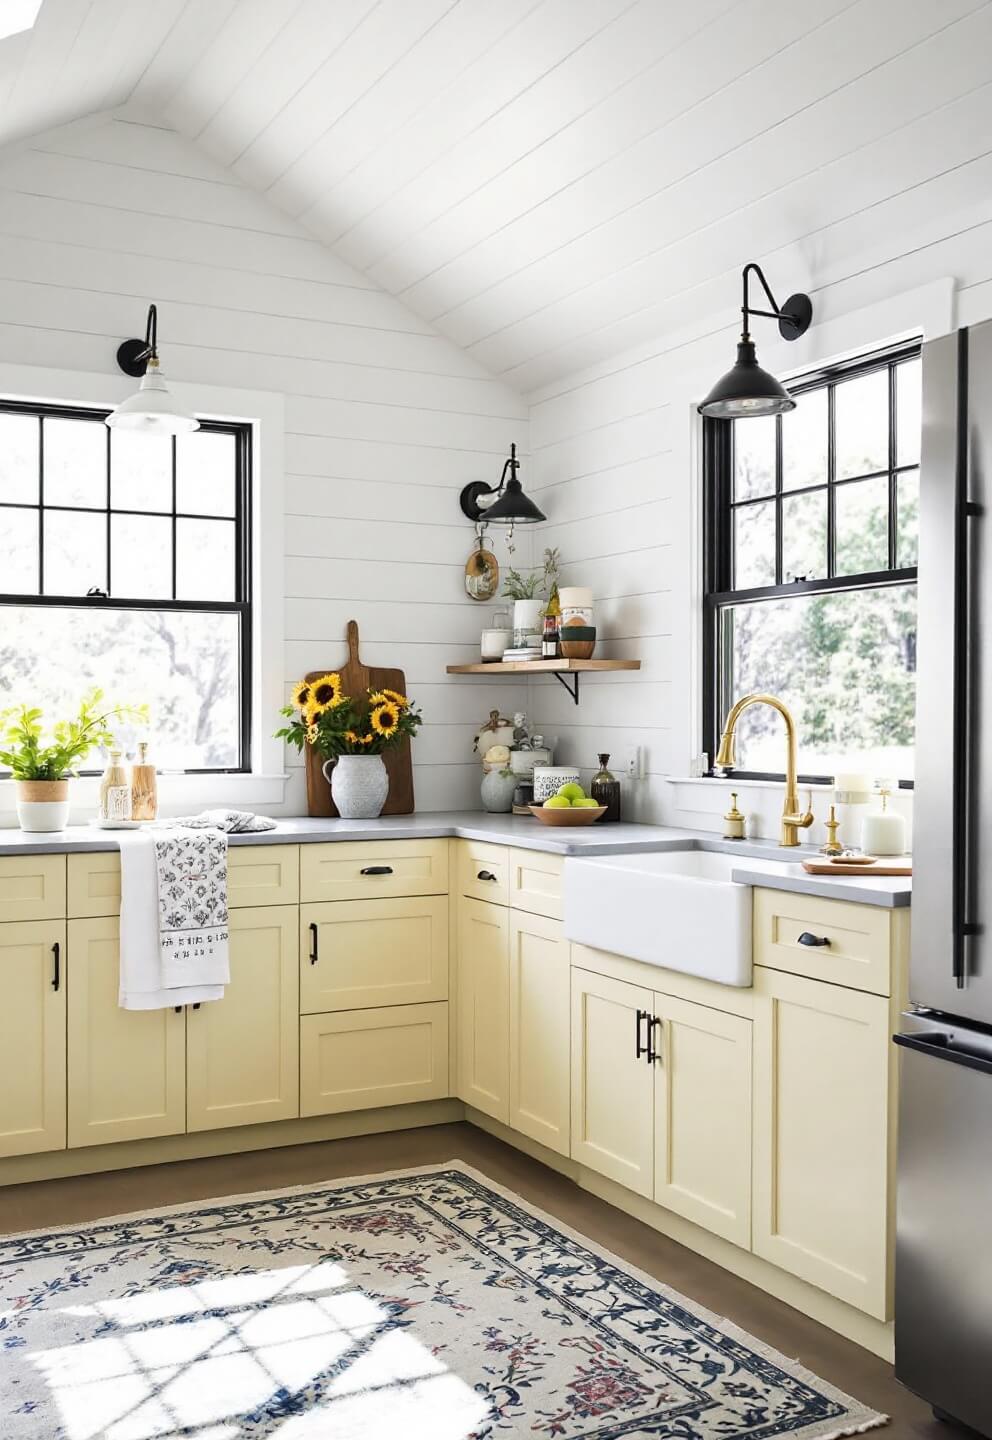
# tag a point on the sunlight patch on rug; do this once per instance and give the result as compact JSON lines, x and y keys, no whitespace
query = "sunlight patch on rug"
{"x":431,"y":1305}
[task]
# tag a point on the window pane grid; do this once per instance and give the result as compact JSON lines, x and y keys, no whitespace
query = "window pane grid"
{"x":765,"y":521}
{"x":84,"y":508}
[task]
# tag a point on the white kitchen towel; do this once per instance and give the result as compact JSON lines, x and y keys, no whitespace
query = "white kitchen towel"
{"x":141,"y":979}
{"x":234,"y":822}
{"x":192,"y":907}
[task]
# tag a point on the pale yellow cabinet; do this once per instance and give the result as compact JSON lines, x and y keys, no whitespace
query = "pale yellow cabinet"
{"x":539,"y":1035}
{"x":822,"y":1135}
{"x":32,"y":1036}
{"x":661,"y":1099}
{"x":360,"y":953}
{"x":702,"y":1149}
{"x":126,"y":1068}
{"x":484,"y":1008}
{"x":360,"y":1059}
{"x":242,"y":1052}
{"x":32,"y":887}
{"x":612,"y":1085}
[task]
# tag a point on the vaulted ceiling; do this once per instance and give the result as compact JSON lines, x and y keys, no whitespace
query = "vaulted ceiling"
{"x":546,"y":181}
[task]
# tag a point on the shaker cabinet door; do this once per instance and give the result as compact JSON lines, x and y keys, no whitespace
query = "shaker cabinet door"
{"x":483,"y":1041}
{"x":32,"y":1037}
{"x":127,"y":1068}
{"x":540,"y":1041}
{"x":612,"y":1086}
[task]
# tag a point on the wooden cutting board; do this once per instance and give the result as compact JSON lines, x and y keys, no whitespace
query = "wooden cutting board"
{"x":357,"y":678}
{"x":893,"y":867}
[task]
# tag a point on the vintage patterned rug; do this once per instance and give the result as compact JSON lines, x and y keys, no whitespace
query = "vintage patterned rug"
{"x":430,"y":1305}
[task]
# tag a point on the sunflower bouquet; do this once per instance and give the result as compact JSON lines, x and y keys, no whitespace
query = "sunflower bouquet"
{"x":321,"y":715}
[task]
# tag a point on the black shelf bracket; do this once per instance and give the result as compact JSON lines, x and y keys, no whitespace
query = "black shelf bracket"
{"x":573,"y":690}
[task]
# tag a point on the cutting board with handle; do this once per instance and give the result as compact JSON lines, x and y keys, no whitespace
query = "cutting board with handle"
{"x":356,"y":679}
{"x":880,"y":867}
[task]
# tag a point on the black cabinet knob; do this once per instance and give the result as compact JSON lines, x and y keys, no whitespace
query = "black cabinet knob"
{"x":485,"y":875}
{"x":377,"y":870}
{"x":807,"y":939}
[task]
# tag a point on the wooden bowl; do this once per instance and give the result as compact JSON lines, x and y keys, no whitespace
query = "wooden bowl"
{"x":583,"y":815}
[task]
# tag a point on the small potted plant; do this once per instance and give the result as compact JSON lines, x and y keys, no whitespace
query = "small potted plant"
{"x":529,"y":593}
{"x":41,"y":770}
{"x":350,"y":737}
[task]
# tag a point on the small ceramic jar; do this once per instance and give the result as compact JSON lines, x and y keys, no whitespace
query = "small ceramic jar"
{"x":548,"y":780}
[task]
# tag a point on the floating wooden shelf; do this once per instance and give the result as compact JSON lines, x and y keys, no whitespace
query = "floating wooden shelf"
{"x":558,"y":668}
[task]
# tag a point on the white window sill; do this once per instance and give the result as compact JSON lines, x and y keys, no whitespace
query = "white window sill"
{"x":178,"y":794}
{"x":733,"y":783}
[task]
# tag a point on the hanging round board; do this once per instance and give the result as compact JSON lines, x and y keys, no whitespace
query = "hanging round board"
{"x":481,"y":574}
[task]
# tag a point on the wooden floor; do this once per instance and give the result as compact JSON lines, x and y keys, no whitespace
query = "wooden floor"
{"x":63,"y":1202}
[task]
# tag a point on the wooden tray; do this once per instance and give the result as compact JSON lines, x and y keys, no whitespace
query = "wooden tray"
{"x":356,"y":678}
{"x":825,"y":867}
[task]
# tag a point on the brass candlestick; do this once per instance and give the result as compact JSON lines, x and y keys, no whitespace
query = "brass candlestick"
{"x":833,"y":845}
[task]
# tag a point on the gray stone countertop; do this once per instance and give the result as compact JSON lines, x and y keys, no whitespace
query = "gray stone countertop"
{"x":769,"y":868}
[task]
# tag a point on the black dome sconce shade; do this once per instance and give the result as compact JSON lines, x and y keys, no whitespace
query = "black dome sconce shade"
{"x":510,"y":505}
{"x":746,"y":389}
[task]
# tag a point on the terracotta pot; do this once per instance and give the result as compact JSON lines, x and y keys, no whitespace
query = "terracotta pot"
{"x":42,"y":804}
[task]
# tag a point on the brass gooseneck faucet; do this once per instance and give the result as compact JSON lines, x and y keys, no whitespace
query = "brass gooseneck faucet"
{"x":793,"y":819}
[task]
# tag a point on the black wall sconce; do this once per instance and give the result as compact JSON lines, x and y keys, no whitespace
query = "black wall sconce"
{"x":747,"y":389}
{"x":502,"y":504}
{"x":152,"y":408}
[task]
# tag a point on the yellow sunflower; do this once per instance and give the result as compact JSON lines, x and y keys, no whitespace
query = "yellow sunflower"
{"x":384,"y":719}
{"x":365,"y":739}
{"x":395,"y":698}
{"x":312,"y":733}
{"x":325,"y":692}
{"x":301,"y":694}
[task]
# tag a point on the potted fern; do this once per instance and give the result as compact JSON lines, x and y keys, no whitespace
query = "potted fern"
{"x":41,"y":767}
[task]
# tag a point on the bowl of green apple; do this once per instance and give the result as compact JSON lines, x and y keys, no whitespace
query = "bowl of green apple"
{"x":569,"y":806}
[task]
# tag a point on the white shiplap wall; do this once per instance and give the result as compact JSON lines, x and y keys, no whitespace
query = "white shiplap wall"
{"x":385,"y":419}
{"x":615,"y":465}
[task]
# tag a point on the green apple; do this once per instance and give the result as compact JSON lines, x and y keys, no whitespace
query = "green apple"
{"x":571,"y":792}
{"x":557,"y":802}
{"x":585,"y":804}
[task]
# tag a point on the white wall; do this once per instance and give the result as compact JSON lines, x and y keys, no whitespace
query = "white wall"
{"x":616,"y":471}
{"x":385,"y":420}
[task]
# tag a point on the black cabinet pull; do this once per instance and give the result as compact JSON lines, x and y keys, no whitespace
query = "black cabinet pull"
{"x":652,"y":1053}
{"x":640,"y":1048}
{"x":57,"y":956}
{"x":377,"y":870}
{"x":196,"y":1005}
{"x":314,"y":950}
{"x":178,"y":1009}
{"x":485,"y":875}
{"x":807,"y":939}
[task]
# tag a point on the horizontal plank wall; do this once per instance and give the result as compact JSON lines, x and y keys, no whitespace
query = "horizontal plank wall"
{"x":385,"y":419}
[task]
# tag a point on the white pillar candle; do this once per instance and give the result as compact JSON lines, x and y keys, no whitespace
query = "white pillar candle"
{"x":883,"y":832}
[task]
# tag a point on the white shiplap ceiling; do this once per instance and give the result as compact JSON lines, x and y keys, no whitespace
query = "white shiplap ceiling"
{"x":545,"y":181}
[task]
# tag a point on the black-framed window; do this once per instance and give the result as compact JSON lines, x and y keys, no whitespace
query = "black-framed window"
{"x":125,"y":563}
{"x":810,"y":524}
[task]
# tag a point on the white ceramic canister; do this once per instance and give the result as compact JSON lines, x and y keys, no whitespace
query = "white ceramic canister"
{"x":497,"y":637}
{"x":527,"y":623}
{"x":576,"y":605}
{"x":548,"y":780}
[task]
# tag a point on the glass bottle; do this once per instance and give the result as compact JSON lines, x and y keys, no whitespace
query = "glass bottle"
{"x":115,"y":790}
{"x":605,"y":789}
{"x":144,"y":786}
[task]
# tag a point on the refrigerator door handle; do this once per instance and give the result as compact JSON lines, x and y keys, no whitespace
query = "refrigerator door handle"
{"x":966,"y":512}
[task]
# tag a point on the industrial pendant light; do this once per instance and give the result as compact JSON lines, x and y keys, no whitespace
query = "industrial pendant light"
{"x":510,"y":505}
{"x":152,"y":409}
{"x":747,"y":389}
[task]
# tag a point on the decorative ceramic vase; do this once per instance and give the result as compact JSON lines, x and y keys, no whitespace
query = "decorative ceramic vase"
{"x":359,"y":785}
{"x":527,"y":621}
{"x":497,"y":791}
{"x":42,"y":804}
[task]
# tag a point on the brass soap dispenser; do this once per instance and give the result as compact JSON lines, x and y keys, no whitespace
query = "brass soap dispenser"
{"x":733,"y":821}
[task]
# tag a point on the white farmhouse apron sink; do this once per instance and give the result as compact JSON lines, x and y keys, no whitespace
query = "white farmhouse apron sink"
{"x":678,"y":909}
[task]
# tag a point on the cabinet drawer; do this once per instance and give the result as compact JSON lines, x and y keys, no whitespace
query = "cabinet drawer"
{"x":484,"y":871}
{"x":535,"y":883}
{"x":32,"y":887}
{"x":263,"y":875}
{"x":365,"y":1058}
{"x":373,"y":868}
{"x":256,"y":875}
{"x":373,"y":952}
{"x":858,"y":953}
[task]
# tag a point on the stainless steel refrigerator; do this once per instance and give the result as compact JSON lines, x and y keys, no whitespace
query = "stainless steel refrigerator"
{"x":943,"y":1300}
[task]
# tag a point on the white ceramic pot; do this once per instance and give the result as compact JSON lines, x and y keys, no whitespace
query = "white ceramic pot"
{"x":526,"y":619}
{"x":42,"y":804}
{"x":359,"y":785}
{"x":497,"y":791}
